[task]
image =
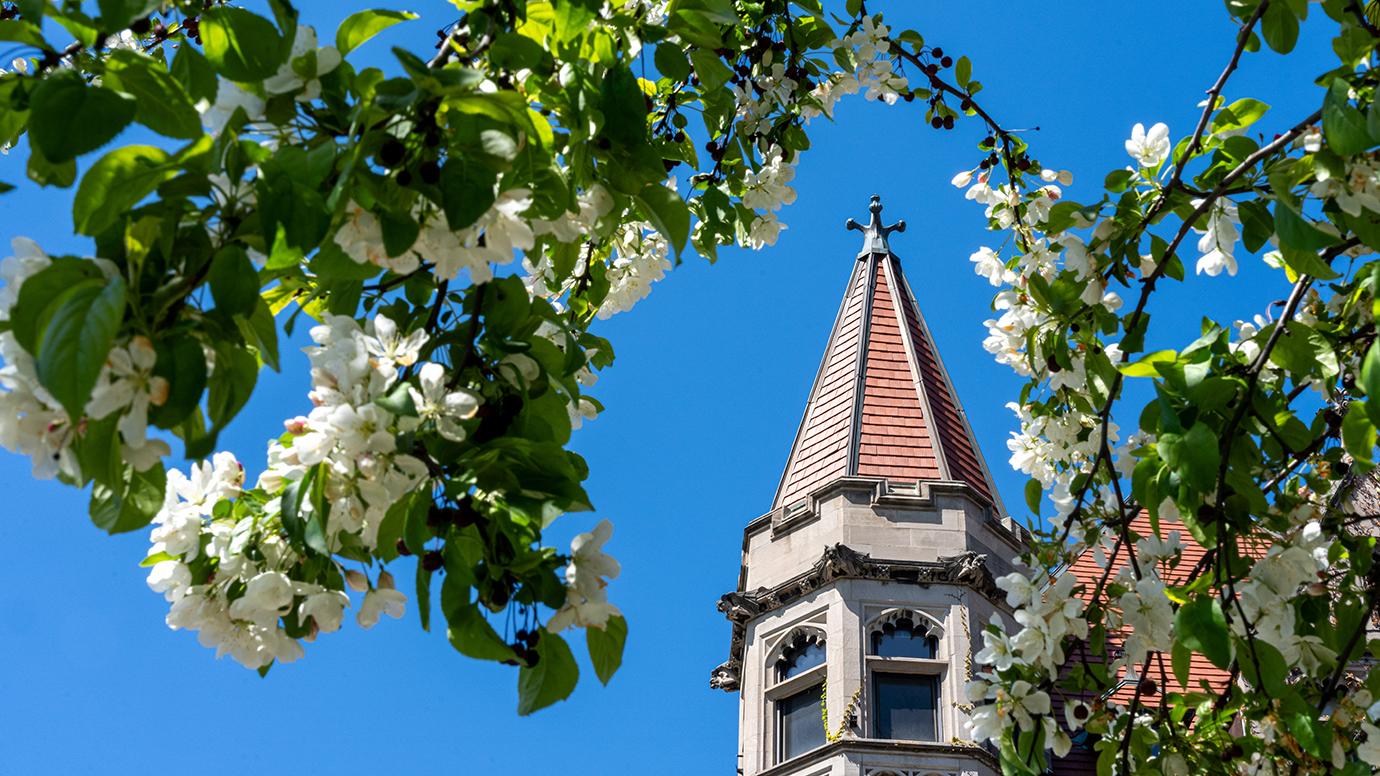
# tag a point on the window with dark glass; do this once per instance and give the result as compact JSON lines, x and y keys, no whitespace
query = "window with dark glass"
{"x":799,"y":725}
{"x":802,"y":654}
{"x":904,"y":638}
{"x":906,"y":706}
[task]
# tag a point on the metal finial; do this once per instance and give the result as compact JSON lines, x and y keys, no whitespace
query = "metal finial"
{"x":875,"y":234}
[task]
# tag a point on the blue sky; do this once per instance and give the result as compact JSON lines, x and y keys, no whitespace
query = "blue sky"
{"x":712,"y":375}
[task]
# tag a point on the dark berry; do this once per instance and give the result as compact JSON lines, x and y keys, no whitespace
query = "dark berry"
{"x":404,"y":178}
{"x":141,"y":26}
{"x":391,"y":153}
{"x":429,"y":172}
{"x":946,"y":62}
{"x":937,"y":51}
{"x":936,"y":122}
{"x":1053,"y":364}
{"x":1148,"y":687}
{"x":432,"y":561}
{"x":948,"y":122}
{"x":1080,"y":711}
{"x":402,"y":548}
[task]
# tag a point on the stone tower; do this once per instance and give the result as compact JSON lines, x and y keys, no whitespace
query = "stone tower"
{"x":870,"y":578}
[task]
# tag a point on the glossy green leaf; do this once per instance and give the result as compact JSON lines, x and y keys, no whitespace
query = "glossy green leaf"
{"x":1344,"y":126}
{"x":161,"y":102}
{"x":667,"y":212}
{"x":73,"y":348}
{"x":234,"y":281}
{"x":116,"y":183}
{"x":132,"y":504}
{"x":361,"y":26}
{"x":606,"y":646}
{"x":239,"y":44}
{"x":472,"y":636}
{"x":1202,"y":627}
{"x":68,"y":117}
{"x":552,"y":679}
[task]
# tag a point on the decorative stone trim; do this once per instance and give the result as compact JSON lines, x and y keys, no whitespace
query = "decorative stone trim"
{"x":842,"y":562}
{"x":915,"y":494}
{"x":879,"y":746}
{"x":924,"y":620}
{"x":795,"y":638}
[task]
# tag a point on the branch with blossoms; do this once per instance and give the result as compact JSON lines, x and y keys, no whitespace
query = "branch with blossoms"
{"x":1222,"y":449}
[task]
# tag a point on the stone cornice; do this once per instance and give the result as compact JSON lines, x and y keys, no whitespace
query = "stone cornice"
{"x":968,"y":569}
{"x":880,"y":746}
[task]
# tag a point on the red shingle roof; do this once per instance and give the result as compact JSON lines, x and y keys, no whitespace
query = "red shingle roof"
{"x":881,"y":405}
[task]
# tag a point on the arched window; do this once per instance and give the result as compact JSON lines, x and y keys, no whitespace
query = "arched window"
{"x":803,"y":652}
{"x":797,"y":666}
{"x":904,"y":637}
{"x":903,"y":655}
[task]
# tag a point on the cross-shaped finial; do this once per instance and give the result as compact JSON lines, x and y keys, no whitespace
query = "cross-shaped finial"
{"x":874,"y":234}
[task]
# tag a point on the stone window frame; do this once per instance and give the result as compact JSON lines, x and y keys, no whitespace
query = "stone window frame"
{"x":775,"y":690}
{"x":938,"y":666}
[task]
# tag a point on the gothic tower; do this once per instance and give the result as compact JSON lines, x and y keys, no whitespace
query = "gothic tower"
{"x":867,"y":583}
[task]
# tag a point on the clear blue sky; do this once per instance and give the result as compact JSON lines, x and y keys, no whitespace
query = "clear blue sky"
{"x":711,"y":378}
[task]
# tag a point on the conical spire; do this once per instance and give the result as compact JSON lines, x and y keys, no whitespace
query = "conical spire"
{"x":882,"y":404}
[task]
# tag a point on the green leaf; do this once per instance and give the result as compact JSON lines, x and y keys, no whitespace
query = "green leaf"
{"x":69,"y":117}
{"x":1238,"y":115}
{"x":606,"y":646}
{"x":118,"y":14}
{"x":424,"y":595}
{"x":131,"y":505}
{"x":1358,"y":431}
{"x":712,"y":71}
{"x":45,"y":173}
{"x":472,"y":635}
{"x":16,"y":31}
{"x":363,"y":25}
{"x":552,"y":679}
{"x":240,"y":44}
{"x":161,"y":102}
{"x":1295,"y":231}
{"x":672,"y":63}
{"x":467,"y":191}
{"x":624,"y":109}
{"x":116,"y":183}
{"x":1202,"y":627}
{"x":295,"y":495}
{"x":1280,"y":28}
{"x":1145,"y":367}
{"x":74,"y":347}
{"x":667,"y":212}
{"x":232,"y":382}
{"x":260,"y":330}
{"x":1256,"y":224}
{"x":416,"y":533}
{"x":195,"y":74}
{"x":234,"y":281}
{"x":181,"y":362}
{"x":963,"y":72}
{"x":1343,"y":125}
{"x":41,"y":295}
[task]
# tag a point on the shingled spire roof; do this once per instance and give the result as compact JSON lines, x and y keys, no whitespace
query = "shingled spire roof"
{"x":882,"y":404}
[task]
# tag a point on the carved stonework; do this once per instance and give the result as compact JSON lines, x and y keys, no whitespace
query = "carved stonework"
{"x":741,"y":607}
{"x":842,"y":562}
{"x":970,"y":568}
{"x":726,"y":676}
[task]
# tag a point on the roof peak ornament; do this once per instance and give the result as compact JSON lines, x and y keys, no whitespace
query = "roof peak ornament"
{"x":874,"y":234}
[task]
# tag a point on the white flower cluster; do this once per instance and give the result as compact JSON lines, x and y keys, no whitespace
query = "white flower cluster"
{"x":768,"y":189}
{"x":305,"y":58}
{"x":874,"y":72}
{"x":586,"y":602}
{"x":639,"y":258}
{"x":241,"y":548}
{"x":34,"y":423}
{"x":493,"y":239}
